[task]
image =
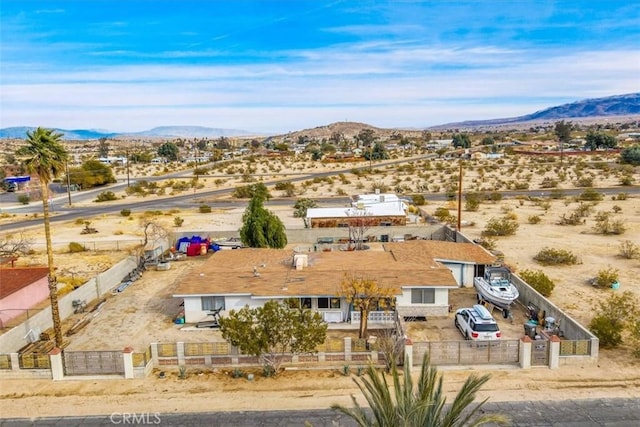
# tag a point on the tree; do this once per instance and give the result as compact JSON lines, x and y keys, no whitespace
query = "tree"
{"x":261,"y":228}
{"x":366,"y":295}
{"x":359,"y":222}
{"x":103,"y":147}
{"x":423,"y":404}
{"x":631,"y":155}
{"x":168,"y":150}
{"x":301,"y":207}
{"x":270,"y":331}
{"x":92,"y":173}
{"x":11,"y":247}
{"x":461,"y":140}
{"x":45,"y":156}
{"x":377,"y":152}
{"x":596,"y":140}
{"x":153,"y":231}
{"x":562,"y":131}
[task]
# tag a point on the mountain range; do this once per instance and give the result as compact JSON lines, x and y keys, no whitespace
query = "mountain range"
{"x":618,"y":105}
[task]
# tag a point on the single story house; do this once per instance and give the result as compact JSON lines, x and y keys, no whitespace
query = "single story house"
{"x":465,"y":260}
{"x":21,"y":288}
{"x":233,"y":279}
{"x":372,"y":215}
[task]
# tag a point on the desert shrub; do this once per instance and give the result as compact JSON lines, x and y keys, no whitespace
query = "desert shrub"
{"x":472,"y":201}
{"x":621,"y":196}
{"x":23,"y":199}
{"x":177,"y":221}
{"x":76,"y":247}
{"x":626,"y":180}
{"x":548,"y":183}
{"x":629,"y":250}
{"x":534,"y":219}
{"x":152,"y":213}
{"x":606,"y":278}
{"x":606,"y":225}
{"x":538,"y":281}
{"x":591,"y":195}
{"x":550,"y":256}
{"x":613,"y":316}
{"x":616,"y":209}
{"x":585,"y":181}
{"x":418,"y":200}
{"x":288,"y":187}
{"x":442,"y":214}
{"x":125,"y":212}
{"x":504,"y":226}
{"x":608,"y":331}
{"x":521,"y":186}
{"x":204,"y":209}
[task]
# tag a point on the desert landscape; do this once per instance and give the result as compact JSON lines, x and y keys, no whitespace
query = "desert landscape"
{"x":615,"y":375}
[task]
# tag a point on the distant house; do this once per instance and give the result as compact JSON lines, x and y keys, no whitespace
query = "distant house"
{"x":250,"y":277}
{"x":113,"y":160}
{"x":371,"y":215}
{"x":21,"y":288}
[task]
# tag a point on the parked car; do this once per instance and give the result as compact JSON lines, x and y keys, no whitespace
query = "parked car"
{"x":476,"y":323}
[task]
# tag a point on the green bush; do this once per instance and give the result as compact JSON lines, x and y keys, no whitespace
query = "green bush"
{"x":534,"y":219}
{"x":550,"y":256}
{"x":125,"y":212}
{"x":23,"y":199}
{"x":76,"y":247}
{"x":606,"y":278}
{"x":204,"y":209}
{"x":538,"y":281}
{"x":608,"y":330}
{"x":606,"y":225}
{"x":106,"y":196}
{"x":418,"y":200}
{"x":177,"y":221}
{"x":591,"y":194}
{"x":505,"y":226}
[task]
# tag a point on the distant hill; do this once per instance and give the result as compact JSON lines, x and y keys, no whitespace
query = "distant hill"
{"x":20,"y":132}
{"x":618,"y":105}
{"x":163,"y":131}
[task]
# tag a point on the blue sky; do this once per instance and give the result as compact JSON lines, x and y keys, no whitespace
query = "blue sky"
{"x":278,"y":66}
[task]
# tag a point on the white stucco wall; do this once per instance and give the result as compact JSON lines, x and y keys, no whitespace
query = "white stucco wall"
{"x":463,"y":273}
{"x":440,"y":305}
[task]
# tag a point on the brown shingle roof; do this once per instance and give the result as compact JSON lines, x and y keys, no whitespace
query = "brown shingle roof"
{"x":14,"y":279}
{"x":439,"y":250}
{"x":232,"y":272}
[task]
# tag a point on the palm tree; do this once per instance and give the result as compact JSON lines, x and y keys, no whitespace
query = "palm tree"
{"x":45,"y":157}
{"x":422,"y":406}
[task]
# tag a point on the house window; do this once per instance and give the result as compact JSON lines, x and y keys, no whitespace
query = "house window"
{"x":305,"y":302}
{"x":423,"y":296}
{"x":212,"y":303}
{"x":328,"y":302}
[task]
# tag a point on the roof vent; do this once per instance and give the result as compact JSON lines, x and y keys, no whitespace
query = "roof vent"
{"x":300,"y":261}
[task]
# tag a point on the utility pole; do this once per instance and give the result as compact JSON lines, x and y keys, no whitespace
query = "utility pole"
{"x":127,"y":154}
{"x":460,"y":197}
{"x":66,"y":166}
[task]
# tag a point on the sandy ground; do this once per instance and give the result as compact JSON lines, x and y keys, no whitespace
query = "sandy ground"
{"x":617,"y":374}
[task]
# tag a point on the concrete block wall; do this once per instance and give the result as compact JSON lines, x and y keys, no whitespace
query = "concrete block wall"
{"x":310,"y":235}
{"x":16,"y":338}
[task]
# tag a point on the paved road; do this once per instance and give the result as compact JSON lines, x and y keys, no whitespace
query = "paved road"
{"x":569,"y":413}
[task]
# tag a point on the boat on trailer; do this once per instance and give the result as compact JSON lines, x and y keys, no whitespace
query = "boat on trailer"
{"x":496,"y":288}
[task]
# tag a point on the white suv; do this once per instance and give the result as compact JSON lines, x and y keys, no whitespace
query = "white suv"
{"x":477,"y":324}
